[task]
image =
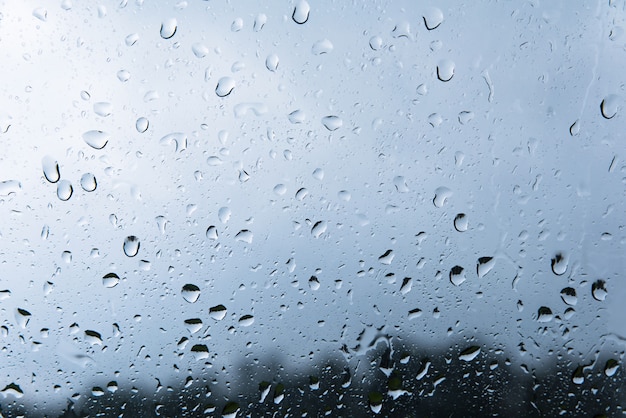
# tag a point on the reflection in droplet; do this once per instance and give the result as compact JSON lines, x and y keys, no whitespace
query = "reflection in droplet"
{"x":611,"y":367}
{"x":225,"y":86}
{"x":559,"y":264}
{"x":457,"y":275}
{"x":96,"y":139}
{"x":568,"y":295}
{"x":433,"y":18}
{"x":441,"y":196}
{"x":485,"y":265}
{"x":217,"y":312}
{"x":445,"y":70}
{"x":93,"y":337}
{"x":246,"y":320}
{"x":131,"y":246}
{"x":301,"y":12}
{"x":12,"y":389}
{"x":578,"y":377}
{"x":332,"y":123}
{"x":314,"y":283}
{"x":88,"y":182}
{"x":271,"y":62}
{"x":190,"y":292}
{"x":323,"y":46}
{"x":64,"y":190}
{"x":142,"y":125}
{"x":50,"y":169}
{"x":200,"y":352}
{"x":387,"y":257}
{"x":168,"y":28}
{"x":609,"y":106}
{"x":598,"y":290}
{"x":544,"y":314}
{"x":460,"y":222}
{"x":193,"y":325}
{"x":110,"y":280}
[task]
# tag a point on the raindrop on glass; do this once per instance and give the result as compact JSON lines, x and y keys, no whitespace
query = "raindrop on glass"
{"x":301,"y":12}
{"x":131,"y":39}
{"x":470,"y":353}
{"x":319,"y":228}
{"x":50,"y":169}
{"x":246,"y":320}
{"x":321,"y":47}
{"x":110,"y":280}
{"x":559,"y":264}
{"x":544,"y":314}
{"x":457,"y":275}
{"x":96,"y":139}
{"x":485,"y":265}
{"x":376,"y":42}
{"x":224,"y":214}
{"x":441,"y":196}
{"x":244,"y":236}
{"x":575,"y":128}
{"x":168,"y":28}
{"x":332,"y":123}
{"x":131,"y":246}
{"x":64,"y":190}
{"x":237,"y":25}
{"x":103,"y":109}
{"x":211,"y":233}
{"x":200,"y":50}
{"x":225,"y":86}
{"x":578,"y":377}
{"x":598,"y":290}
{"x":568,"y":295}
{"x":259,"y":22}
{"x":610,"y":368}
{"x":217,"y":312}
{"x":190,"y":292}
{"x":609,"y":106}
{"x":41,"y":14}
{"x":271,"y":62}
{"x":297,"y":116}
{"x":445,"y":70}
{"x":88,"y":182}
{"x":461,"y":222}
{"x":142,"y":125}
{"x":433,"y":18}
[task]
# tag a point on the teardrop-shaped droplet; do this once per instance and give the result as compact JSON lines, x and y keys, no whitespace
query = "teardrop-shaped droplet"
{"x":190,"y":292}
{"x":609,"y":106}
{"x":211,"y":233}
{"x":50,"y":169}
{"x":225,"y":86}
{"x":131,"y":246}
{"x":88,"y":182}
{"x":168,"y":28}
{"x":297,"y":116}
{"x":319,"y":228}
{"x":611,"y":367}
{"x":244,"y":236}
{"x":301,"y":12}
{"x":578,"y":377}
{"x":544,"y":314}
{"x":142,"y":125}
{"x":64,"y":190}
{"x":575,"y":128}
{"x":96,"y":139}
{"x":445,"y":70}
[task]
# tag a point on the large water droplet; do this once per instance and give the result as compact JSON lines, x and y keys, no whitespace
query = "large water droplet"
{"x":50,"y":169}
{"x":376,"y":42}
{"x":568,"y":295}
{"x":211,"y":232}
{"x":457,"y":275}
{"x":168,"y":28}
{"x":387,"y":257}
{"x":217,"y":312}
{"x":200,"y":352}
{"x":103,"y":109}
{"x":319,"y":228}
{"x":332,"y":123}
{"x":96,"y":139}
{"x":297,"y":116}
{"x":461,"y":222}
{"x":244,"y":236}
{"x":485,"y":265}
{"x":559,"y":264}
{"x":64,"y":190}
{"x":22,"y":317}
{"x":470,"y":353}
{"x":271,"y":62}
{"x":131,"y":246}
{"x":610,"y":368}
{"x":259,"y":22}
{"x":578,"y":377}
{"x":323,"y":46}
{"x":225,"y":86}
{"x":445,"y":70}
{"x":190,"y":292}
{"x":199,"y":50}
{"x":237,"y":25}
{"x":575,"y":128}
{"x":88,"y":182}
{"x":433,"y":18}
{"x":193,"y":325}
{"x":301,"y":12}
{"x":142,"y":125}
{"x":441,"y":196}
{"x":246,"y":320}
{"x":400,"y":183}
{"x":609,"y":106}
{"x":110,"y":280}
{"x":12,"y":389}
{"x":375,"y":400}
{"x":41,"y":13}
{"x":544,"y":314}
{"x":598,"y":290}
{"x":93,"y":337}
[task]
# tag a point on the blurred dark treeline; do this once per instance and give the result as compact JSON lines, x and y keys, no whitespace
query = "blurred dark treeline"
{"x":393,"y":379}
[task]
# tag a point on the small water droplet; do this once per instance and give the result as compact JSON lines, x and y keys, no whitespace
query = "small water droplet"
{"x":301,"y":193}
{"x":66,"y":256}
{"x":259,"y":22}
{"x":131,"y":39}
{"x":578,"y":377}
{"x":575,"y":128}
{"x":559,"y":264}
{"x":246,"y":320}
{"x":441,"y":196}
{"x":297,"y":116}
{"x":485,"y":265}
{"x":110,"y":280}
{"x":375,"y":400}
{"x":225,"y":86}
{"x":88,"y":182}
{"x":217,"y":312}
{"x":598,"y":290}
{"x":64,"y":190}
{"x":199,"y":50}
{"x":280,"y":189}
{"x":609,"y":106}
{"x":314,"y":283}
{"x":271,"y":62}
{"x":244,"y":236}
{"x":190,"y":292}
{"x":112,"y":386}
{"x":179,"y":139}
{"x":344,"y":195}
{"x":457,"y":275}
{"x":460,"y":222}
{"x":406,"y":286}
{"x":387,"y":257}
{"x":318,"y":174}
{"x":161,"y":223}
{"x":96,"y":139}
{"x":168,"y":28}
{"x":465,"y":117}
{"x":319,"y":228}
{"x":544,"y":314}
{"x":568,"y":295}
{"x":142,"y":125}
{"x":211,"y":233}
{"x":332,"y":123}
{"x":433,"y":17}
{"x":400,"y":183}
{"x":103,"y":109}
{"x":435,"y":120}
{"x":321,"y":47}
{"x":50,"y":169}
{"x":22,"y":317}
{"x":131,"y":246}
{"x":376,"y":42}
{"x":470,"y":353}
{"x":224,"y":214}
{"x":610,"y":368}
{"x":123,"y":75}
{"x":301,"y":12}
{"x":237,"y":25}
{"x":445,"y":70}
{"x":41,"y":14}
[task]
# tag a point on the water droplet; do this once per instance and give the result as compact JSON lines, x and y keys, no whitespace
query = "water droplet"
{"x":332,"y":123}
{"x":544,"y":314}
{"x":578,"y":377}
{"x":168,"y":28}
{"x":375,"y":400}
{"x":131,"y":246}
{"x":217,"y":312}
{"x":598,"y":290}
{"x":457,"y":275}
{"x":142,"y":125}
{"x":123,"y":75}
{"x":470,"y":353}
{"x":50,"y":169}
{"x":387,"y":257}
{"x":400,"y":183}
{"x":610,"y":368}
{"x":485,"y":265}
{"x":13,"y":390}
{"x":259,"y":22}
{"x":161,"y":223}
{"x":344,"y":195}
{"x":433,"y":18}
{"x":211,"y":233}
{"x":376,"y":42}
{"x":318,"y":174}
{"x":246,"y":320}
{"x":64,"y":190}
{"x":110,"y":280}
{"x":559,"y":264}
{"x":131,"y":39}
{"x":568,"y":295}
{"x":402,"y":30}
{"x":445,"y":70}
{"x":93,"y":337}
{"x":5,"y":294}
{"x":244,"y":236}
{"x":103,"y":109}
{"x":112,"y":386}
{"x":8,"y":187}
{"x":193,"y":325}
{"x":319,"y":228}
{"x":314,"y":283}
{"x":441,"y":196}
{"x":415,"y":313}
{"x":179,"y":139}
{"x":321,"y":47}
{"x":190,"y":292}
{"x":407,"y":285}
{"x":461,"y":222}
{"x":199,"y":50}
{"x":609,"y":106}
{"x":297,"y":116}
{"x":280,"y":189}
{"x":575,"y":128}
{"x":301,"y":193}
{"x":224,"y":214}
{"x":237,"y":25}
{"x":88,"y":182}
{"x":200,"y":352}
{"x":22,"y":317}
{"x":66,"y":256}
{"x":301,"y":12}
{"x":271,"y":62}
{"x":435,"y":120}
{"x":465,"y":117}
{"x":225,"y":86}
{"x":96,"y":139}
